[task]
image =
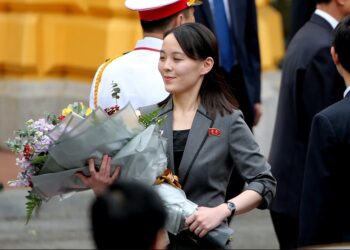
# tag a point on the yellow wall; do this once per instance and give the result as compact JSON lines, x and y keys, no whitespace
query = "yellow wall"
{"x":64,"y":38}
{"x":71,"y":38}
{"x":271,"y":35}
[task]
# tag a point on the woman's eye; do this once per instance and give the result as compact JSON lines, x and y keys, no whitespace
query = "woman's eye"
{"x":177,"y":59}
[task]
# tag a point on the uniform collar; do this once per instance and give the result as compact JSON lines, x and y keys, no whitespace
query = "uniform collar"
{"x":149,"y":42}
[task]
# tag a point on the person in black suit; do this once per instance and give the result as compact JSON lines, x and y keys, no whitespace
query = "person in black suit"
{"x":324,"y":215}
{"x":242,"y":71}
{"x":310,"y":82}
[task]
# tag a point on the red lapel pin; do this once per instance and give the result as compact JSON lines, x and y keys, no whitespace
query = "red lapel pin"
{"x":214,"y":132}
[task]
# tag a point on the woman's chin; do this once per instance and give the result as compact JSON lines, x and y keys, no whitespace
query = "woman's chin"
{"x":169,"y":90}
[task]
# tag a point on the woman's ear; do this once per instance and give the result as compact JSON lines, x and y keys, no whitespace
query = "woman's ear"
{"x":208,"y":64}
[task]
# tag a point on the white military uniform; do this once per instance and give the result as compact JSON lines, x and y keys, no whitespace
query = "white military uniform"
{"x":136,"y":74}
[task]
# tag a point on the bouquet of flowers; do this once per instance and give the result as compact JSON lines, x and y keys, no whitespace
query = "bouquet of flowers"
{"x":31,"y":144}
{"x":52,"y":149}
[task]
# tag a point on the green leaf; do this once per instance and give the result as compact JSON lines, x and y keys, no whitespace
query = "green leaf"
{"x":39,"y":160}
{"x":77,"y":108}
{"x":53,"y":119}
{"x":151,"y":118}
{"x":115,"y":90}
{"x":33,"y":203}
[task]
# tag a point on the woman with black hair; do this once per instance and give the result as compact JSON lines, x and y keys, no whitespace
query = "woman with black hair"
{"x":207,"y":136}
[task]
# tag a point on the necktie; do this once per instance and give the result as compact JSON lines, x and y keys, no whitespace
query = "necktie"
{"x":223,"y":35}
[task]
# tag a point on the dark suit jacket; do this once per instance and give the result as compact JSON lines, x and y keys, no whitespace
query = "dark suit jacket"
{"x":310,"y":82}
{"x":324,"y":213}
{"x":245,"y":37}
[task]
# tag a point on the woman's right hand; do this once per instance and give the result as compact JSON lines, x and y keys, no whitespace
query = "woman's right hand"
{"x":205,"y":219}
{"x":98,"y":181}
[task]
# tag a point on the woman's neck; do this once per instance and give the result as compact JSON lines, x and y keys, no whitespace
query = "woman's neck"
{"x":186,"y":103}
{"x":185,"y":109}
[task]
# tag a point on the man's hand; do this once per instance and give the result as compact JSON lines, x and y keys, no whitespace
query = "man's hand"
{"x":99,"y":180}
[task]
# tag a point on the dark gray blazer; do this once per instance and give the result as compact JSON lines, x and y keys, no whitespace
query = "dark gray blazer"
{"x":208,"y":160}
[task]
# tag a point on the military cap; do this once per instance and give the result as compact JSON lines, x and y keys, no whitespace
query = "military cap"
{"x":151,"y":10}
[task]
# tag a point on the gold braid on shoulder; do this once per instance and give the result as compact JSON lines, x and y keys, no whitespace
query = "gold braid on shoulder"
{"x":98,"y":79}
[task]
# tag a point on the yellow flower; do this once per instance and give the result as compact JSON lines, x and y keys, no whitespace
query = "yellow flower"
{"x":88,"y":111}
{"x":82,"y":106}
{"x":77,"y":107}
{"x":67,"y":110}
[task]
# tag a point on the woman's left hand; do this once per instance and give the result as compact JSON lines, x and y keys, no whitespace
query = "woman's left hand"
{"x":206,"y":219}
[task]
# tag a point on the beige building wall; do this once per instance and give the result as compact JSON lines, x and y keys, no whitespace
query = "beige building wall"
{"x":50,"y":50}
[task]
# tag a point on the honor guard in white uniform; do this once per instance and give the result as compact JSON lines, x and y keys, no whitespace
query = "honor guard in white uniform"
{"x":136,"y":72}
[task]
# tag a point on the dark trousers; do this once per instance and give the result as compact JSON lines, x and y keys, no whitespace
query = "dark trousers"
{"x":287,"y":230}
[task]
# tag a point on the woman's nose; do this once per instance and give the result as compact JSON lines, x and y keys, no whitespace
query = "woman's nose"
{"x":167,"y":65}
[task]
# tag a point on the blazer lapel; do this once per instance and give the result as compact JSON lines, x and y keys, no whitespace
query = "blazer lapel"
{"x":168,"y":132}
{"x":196,"y":138}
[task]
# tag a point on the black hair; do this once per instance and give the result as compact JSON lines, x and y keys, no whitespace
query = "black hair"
{"x":322,"y":1}
{"x":127,"y":216}
{"x":341,"y":42}
{"x":199,"y":43}
{"x":163,"y":24}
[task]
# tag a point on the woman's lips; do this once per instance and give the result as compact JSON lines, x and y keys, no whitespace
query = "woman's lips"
{"x":168,"y":78}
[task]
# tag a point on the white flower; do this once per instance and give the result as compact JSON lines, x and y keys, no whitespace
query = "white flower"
{"x":39,"y":134}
